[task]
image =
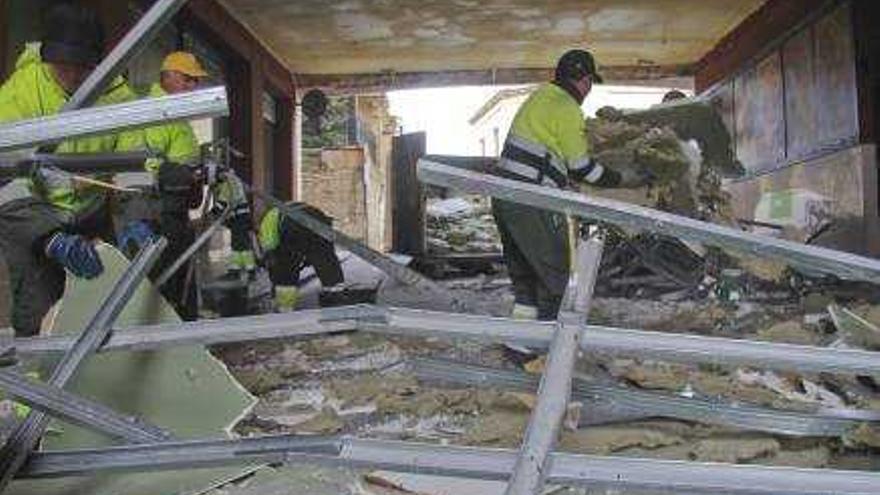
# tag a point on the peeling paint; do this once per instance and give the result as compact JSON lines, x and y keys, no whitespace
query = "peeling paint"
{"x":363,"y":27}
{"x":359,"y":36}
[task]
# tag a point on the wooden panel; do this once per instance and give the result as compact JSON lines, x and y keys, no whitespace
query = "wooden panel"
{"x":836,"y":94}
{"x":408,"y":203}
{"x":760,"y":133}
{"x":800,"y":94}
{"x":867,"y":39}
{"x":751,"y":38}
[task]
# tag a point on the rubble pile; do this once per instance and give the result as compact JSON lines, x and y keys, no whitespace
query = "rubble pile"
{"x":461,"y":225}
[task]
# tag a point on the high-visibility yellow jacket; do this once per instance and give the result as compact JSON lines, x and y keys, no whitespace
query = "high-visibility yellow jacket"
{"x":31,"y":92}
{"x":547,"y":142}
{"x":176,"y":141}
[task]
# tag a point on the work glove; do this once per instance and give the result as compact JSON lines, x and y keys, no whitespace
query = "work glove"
{"x":134,"y":236}
{"x":75,"y":253}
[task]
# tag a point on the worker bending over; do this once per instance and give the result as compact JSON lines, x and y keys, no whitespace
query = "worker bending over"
{"x":547,"y":145}
{"x":289,"y":248}
{"x":52,"y":229}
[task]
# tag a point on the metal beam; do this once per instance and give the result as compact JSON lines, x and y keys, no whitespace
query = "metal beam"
{"x":78,"y":163}
{"x":218,"y":331}
{"x":26,"y":436}
{"x":661,"y":346}
{"x":613,"y":403}
{"x":77,"y":410}
{"x":675,"y":347}
{"x":128,"y":47}
{"x":530,"y":471}
{"x":204,"y":103}
{"x":404,"y":275}
{"x":618,"y":474}
{"x":845,"y":265}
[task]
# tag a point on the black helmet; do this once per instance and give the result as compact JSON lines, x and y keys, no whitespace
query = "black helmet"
{"x":74,"y":35}
{"x":575,"y":64}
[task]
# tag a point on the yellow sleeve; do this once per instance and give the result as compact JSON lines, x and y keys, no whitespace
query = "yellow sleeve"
{"x":572,"y":134}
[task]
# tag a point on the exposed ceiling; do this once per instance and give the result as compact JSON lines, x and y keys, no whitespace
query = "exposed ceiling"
{"x":376,"y":36}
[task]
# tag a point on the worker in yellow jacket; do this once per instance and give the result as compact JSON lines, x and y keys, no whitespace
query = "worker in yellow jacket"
{"x":51,"y":230}
{"x":547,"y":145}
{"x":165,"y":209}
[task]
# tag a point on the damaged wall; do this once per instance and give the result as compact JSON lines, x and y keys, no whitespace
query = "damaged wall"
{"x":333,"y":180}
{"x":376,"y":129}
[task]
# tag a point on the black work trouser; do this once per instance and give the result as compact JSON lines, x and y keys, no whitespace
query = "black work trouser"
{"x":301,"y":247}
{"x":37,"y":282}
{"x":536,"y":251}
{"x":170,"y":219}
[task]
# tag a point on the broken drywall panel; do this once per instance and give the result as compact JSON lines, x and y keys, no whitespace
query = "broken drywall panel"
{"x":184,"y":389}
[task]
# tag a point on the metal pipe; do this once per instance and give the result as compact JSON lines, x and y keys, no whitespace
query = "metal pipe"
{"x":25,"y":437}
{"x":77,"y":410}
{"x":530,"y":471}
{"x":204,"y":103}
{"x":813,"y":258}
{"x":128,"y":47}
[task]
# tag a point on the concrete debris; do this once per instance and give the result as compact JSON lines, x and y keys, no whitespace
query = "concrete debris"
{"x":734,"y":450}
{"x":866,"y":435}
{"x":461,"y":225}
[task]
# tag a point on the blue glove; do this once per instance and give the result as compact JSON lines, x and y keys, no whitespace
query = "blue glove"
{"x":134,"y":236}
{"x":76,"y":254}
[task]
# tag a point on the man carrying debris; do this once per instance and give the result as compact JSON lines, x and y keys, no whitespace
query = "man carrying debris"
{"x":547,"y":145}
{"x":51,"y":230}
{"x":289,"y":247}
{"x":177,"y":190}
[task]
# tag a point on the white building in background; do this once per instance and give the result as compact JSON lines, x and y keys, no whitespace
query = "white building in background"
{"x":489,"y":124}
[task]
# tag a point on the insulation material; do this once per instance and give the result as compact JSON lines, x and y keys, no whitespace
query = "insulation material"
{"x":184,"y":390}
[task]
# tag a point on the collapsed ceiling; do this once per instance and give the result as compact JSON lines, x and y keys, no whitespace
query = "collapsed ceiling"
{"x":381,"y":36}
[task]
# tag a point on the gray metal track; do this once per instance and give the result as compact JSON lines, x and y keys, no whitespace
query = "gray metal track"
{"x":609,"y":403}
{"x":814,"y":258}
{"x":204,"y":103}
{"x":77,"y":410}
{"x":25,"y":437}
{"x":128,"y":47}
{"x":621,"y":474}
{"x":637,"y":343}
{"x":530,"y":472}
{"x":220,"y":331}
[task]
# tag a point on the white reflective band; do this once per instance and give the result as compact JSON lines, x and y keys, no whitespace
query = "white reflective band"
{"x":595,"y":174}
{"x":525,"y":171}
{"x":530,"y":146}
{"x":519,"y":169}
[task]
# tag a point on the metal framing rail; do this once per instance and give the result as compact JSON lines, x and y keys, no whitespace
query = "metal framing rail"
{"x":204,"y":103}
{"x":480,"y":463}
{"x":77,"y":410}
{"x":554,"y":391}
{"x":402,"y":321}
{"x":137,"y":38}
{"x":814,"y":258}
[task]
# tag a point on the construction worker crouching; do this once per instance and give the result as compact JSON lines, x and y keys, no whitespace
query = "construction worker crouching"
{"x":289,"y":247}
{"x":547,"y":145}
{"x":53,"y":228}
{"x":167,"y":212}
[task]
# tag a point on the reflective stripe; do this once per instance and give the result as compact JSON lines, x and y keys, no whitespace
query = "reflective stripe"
{"x":527,"y":172}
{"x":595,"y":174}
{"x":538,"y":150}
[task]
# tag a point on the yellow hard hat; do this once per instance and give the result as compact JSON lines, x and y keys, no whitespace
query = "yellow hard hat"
{"x":183,"y":62}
